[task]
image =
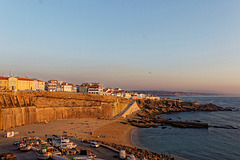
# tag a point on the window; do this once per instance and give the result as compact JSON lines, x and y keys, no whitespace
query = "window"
{"x":12,"y":83}
{"x":0,"y":82}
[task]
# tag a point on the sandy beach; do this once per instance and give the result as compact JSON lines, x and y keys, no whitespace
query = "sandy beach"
{"x":102,"y":130}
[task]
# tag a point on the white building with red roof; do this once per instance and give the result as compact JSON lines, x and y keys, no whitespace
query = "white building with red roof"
{"x":65,"y":87}
{"x":96,"y":88}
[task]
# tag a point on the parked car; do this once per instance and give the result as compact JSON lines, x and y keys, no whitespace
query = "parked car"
{"x":16,"y":143}
{"x":122,"y":154}
{"x":94,"y":144}
{"x":116,"y":155}
{"x":8,"y":156}
{"x":86,"y":141}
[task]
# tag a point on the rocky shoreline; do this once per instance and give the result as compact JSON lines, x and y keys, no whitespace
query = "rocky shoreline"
{"x":151,"y":110}
{"x":138,"y":152}
{"x":155,"y":122}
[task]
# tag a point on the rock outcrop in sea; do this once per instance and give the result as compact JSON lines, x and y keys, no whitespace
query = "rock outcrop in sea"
{"x":151,"y":110}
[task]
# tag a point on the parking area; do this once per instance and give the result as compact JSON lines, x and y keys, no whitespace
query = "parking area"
{"x":6,"y":146}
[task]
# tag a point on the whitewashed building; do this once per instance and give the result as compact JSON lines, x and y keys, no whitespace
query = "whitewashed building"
{"x":127,"y":94}
{"x":41,"y":85}
{"x":142,"y":96}
{"x":65,"y":87}
{"x":38,"y":85}
{"x":95,"y":89}
{"x":74,"y":88}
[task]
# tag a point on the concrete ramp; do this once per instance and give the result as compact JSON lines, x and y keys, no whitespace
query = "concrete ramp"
{"x":132,"y":107}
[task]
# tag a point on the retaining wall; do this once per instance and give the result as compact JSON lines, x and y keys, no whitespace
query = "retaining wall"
{"x":26,"y":107}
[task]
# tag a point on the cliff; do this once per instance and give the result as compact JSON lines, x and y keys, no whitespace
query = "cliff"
{"x":26,"y":107}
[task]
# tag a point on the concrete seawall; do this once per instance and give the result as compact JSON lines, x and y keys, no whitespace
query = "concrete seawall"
{"x":132,"y":107}
{"x":27,"y":107}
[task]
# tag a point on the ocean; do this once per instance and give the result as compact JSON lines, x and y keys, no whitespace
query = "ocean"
{"x":221,"y":143}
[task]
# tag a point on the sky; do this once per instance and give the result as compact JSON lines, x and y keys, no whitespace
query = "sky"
{"x":187,"y":45}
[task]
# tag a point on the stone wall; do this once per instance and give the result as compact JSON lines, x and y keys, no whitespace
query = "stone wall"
{"x":26,"y":107}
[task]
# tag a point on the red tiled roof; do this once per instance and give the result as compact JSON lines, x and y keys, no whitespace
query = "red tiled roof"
{"x":94,"y":86}
{"x":116,"y":92}
{"x":4,"y":78}
{"x":24,"y":79}
{"x":52,"y":80}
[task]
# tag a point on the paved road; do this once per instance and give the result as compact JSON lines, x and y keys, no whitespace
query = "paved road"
{"x":6,"y":146}
{"x":101,"y":152}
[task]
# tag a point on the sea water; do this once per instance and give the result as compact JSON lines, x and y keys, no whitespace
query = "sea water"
{"x":197,"y":144}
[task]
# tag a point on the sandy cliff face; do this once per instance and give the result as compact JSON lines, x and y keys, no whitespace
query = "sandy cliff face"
{"x":26,"y":107}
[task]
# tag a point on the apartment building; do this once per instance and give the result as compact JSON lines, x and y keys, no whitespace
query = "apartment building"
{"x":96,"y":88}
{"x":83,"y":88}
{"x":52,"y":85}
{"x":38,"y":85}
{"x":74,"y":88}
{"x":12,"y":83}
{"x":65,"y":87}
{"x":41,"y":85}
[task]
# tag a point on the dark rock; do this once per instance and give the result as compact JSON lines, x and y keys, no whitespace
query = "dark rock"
{"x":225,"y":127}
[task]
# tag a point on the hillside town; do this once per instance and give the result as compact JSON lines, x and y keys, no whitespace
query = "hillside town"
{"x":33,"y":84}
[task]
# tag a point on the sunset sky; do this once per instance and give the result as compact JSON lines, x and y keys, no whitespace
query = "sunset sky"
{"x":177,"y":45}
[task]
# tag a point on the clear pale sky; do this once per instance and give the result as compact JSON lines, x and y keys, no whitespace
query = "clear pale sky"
{"x":179,"y":45}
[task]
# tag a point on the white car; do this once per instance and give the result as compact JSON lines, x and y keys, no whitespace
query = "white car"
{"x":122,"y":154}
{"x":94,"y":144}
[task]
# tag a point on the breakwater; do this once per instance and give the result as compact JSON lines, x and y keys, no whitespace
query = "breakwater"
{"x":26,"y":107}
